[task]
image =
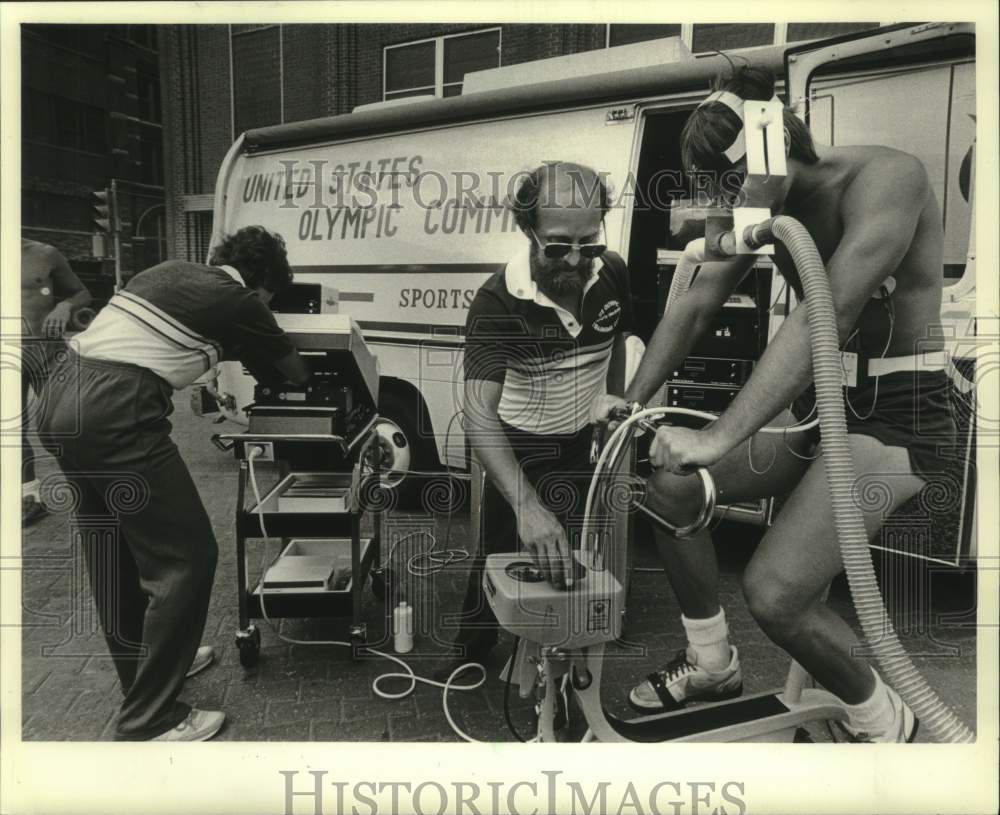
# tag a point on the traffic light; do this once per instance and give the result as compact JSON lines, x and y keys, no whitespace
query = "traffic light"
{"x":103,"y":210}
{"x":107,"y":221}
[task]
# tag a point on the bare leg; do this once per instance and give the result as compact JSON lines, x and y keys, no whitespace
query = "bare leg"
{"x":690,"y":564}
{"x":800,"y":555}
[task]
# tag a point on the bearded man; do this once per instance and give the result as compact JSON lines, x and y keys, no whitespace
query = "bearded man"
{"x":544,"y":341}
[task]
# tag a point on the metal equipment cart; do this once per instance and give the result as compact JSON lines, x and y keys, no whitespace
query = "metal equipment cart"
{"x":316,"y":507}
{"x":318,"y":433}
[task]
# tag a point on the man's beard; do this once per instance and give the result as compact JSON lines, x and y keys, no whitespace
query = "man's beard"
{"x":558,"y":277}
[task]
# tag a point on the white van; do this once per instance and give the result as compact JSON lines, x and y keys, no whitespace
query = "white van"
{"x":396,"y":210}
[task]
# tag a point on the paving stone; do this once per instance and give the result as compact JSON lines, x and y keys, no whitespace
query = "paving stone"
{"x":289,"y":712}
{"x":373,"y":728}
{"x":420,"y":728}
{"x":298,"y":731}
{"x":318,"y":690}
{"x":60,"y":690}
{"x":99,"y":664}
{"x":88,"y":714}
{"x":244,"y":717}
{"x":358,"y":708}
{"x":260,"y":691}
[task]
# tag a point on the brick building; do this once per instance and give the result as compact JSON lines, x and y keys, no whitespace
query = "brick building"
{"x":91,"y":119}
{"x":221,"y":80}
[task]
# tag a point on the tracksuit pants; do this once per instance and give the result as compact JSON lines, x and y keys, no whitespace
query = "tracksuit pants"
{"x":146,"y":536}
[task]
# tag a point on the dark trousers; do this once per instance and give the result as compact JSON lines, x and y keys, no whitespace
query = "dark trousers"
{"x":37,"y":356}
{"x":559,"y":469}
{"x":148,"y":542}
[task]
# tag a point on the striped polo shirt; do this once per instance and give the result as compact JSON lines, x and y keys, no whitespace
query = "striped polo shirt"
{"x":552,"y":367}
{"x":180,"y":319}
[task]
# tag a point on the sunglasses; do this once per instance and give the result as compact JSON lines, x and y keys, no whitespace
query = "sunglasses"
{"x":555,"y":250}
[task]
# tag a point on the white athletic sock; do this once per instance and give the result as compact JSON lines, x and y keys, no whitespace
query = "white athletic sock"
{"x":876,"y":713}
{"x":31,"y":490}
{"x":708,"y":638}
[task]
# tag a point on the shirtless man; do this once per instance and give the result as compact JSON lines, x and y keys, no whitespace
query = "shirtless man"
{"x":877,"y":226}
{"x":50,"y":293}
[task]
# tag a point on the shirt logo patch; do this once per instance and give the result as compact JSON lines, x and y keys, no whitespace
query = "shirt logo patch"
{"x":607,"y":319}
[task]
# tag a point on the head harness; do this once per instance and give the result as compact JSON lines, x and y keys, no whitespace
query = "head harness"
{"x":738,"y":148}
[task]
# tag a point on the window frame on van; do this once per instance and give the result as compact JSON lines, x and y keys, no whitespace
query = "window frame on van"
{"x":802,"y":61}
{"x":437,"y":89}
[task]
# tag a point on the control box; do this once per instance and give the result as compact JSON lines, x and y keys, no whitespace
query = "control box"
{"x":526,"y":604}
{"x":711,"y":399}
{"x":734,"y":332}
{"x":713,"y":371}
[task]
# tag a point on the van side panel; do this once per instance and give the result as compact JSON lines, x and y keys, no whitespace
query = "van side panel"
{"x":406,"y":227}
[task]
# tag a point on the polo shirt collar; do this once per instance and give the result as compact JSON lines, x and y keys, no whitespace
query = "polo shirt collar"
{"x":234,"y":274}
{"x":519,"y":283}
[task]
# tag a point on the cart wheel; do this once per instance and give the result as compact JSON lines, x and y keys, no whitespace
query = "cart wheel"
{"x":249,"y":647}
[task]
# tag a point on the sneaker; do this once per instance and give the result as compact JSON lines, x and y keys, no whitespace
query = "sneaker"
{"x":203,"y":657}
{"x":31,"y":510}
{"x":200,"y":725}
{"x":902,"y":729}
{"x":682,"y":681}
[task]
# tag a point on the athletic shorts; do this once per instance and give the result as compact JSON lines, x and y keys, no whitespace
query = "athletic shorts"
{"x":909,"y":409}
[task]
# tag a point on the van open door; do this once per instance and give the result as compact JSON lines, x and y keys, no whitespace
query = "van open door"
{"x":912,"y":87}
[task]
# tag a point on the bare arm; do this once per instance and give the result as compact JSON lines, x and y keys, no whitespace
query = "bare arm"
{"x":293,"y":368}
{"x":616,"y":368}
{"x":688,"y":319}
{"x":537,"y":527}
{"x":69,"y":291}
{"x":880,"y":212}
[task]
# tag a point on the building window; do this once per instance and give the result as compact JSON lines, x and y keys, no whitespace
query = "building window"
{"x":144,"y":35}
{"x":151,"y":157}
{"x":148,"y":94}
{"x":257,"y":77}
{"x":727,"y":36}
{"x":707,"y":38}
{"x":89,"y":40}
{"x":54,"y":210}
{"x":64,"y":122}
{"x":627,"y":33}
{"x":437,"y":67}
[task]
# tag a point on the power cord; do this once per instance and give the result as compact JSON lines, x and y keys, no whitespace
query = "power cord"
{"x":256,"y":452}
{"x":890,"y":310}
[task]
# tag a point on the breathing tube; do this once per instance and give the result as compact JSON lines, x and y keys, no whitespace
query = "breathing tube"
{"x":838,"y":463}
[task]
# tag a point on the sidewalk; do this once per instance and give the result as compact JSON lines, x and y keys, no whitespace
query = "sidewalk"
{"x":318,"y":693}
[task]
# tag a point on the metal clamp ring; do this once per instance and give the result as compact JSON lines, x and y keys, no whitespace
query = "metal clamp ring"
{"x":704,"y":516}
{"x":707,"y":507}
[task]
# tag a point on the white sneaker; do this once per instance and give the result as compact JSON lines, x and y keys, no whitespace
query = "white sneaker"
{"x":683,"y":681}
{"x":203,"y":657}
{"x":902,"y":729}
{"x":200,"y":725}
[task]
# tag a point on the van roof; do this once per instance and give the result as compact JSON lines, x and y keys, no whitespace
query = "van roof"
{"x":615,"y":86}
